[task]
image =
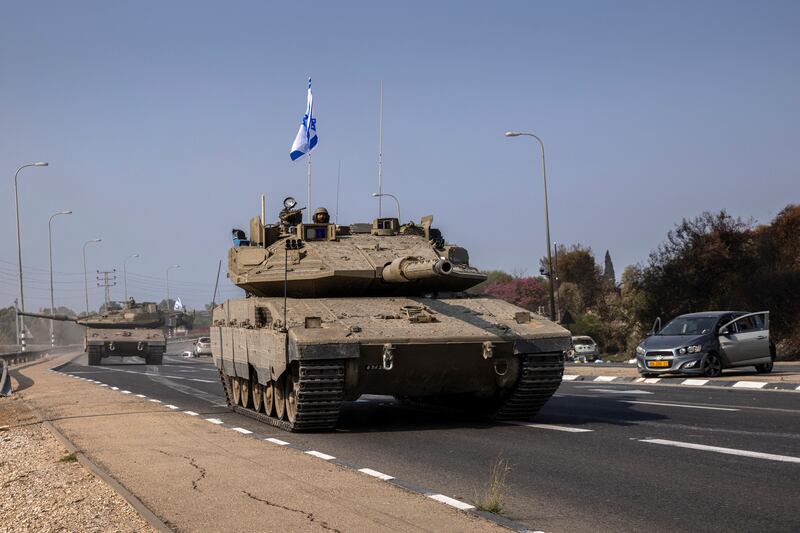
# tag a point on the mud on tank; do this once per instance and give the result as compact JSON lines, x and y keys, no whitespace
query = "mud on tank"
{"x":333,"y":312}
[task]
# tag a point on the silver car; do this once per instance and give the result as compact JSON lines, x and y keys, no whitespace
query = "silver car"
{"x":202,"y":346}
{"x":705,"y":343}
{"x":584,"y":346}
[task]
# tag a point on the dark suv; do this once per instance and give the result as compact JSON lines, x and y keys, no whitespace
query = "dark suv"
{"x":705,"y":343}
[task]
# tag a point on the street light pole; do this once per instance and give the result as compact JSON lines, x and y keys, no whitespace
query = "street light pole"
{"x":168,"y":269}
{"x":125,"y":273}
{"x":50,"y":246}
{"x":85,"y":281}
{"x":21,"y":334}
{"x":380,"y":194}
{"x":546,"y":222}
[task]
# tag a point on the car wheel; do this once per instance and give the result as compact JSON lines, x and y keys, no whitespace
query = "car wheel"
{"x":712,"y":365}
{"x":764,"y":368}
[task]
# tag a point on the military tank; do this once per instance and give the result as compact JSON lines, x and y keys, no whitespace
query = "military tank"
{"x":333,"y":312}
{"x":133,"y":329}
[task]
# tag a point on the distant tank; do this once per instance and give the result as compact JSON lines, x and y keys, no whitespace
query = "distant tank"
{"x":333,"y":312}
{"x":133,"y":329}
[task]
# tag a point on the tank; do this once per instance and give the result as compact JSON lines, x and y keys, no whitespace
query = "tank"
{"x":333,"y":312}
{"x":132,"y":329}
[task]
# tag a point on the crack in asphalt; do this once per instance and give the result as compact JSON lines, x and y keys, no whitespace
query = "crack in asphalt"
{"x":194,"y":464}
{"x":310,"y":516}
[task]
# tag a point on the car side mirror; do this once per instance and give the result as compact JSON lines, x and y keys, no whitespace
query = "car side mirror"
{"x":725,"y":332}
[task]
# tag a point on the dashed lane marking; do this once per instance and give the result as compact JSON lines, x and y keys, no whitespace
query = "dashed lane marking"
{"x":242,"y":431}
{"x":651,"y":380}
{"x":279,"y":442}
{"x":125,"y":392}
{"x":695,"y":382}
{"x":553,"y":427}
{"x":169,"y":406}
{"x":190,"y":413}
{"x":605,"y":378}
{"x":114,"y":388}
{"x":727,"y":451}
{"x":569,"y":377}
{"x":458,"y":504}
{"x":375,"y":473}
{"x":680,"y":405}
{"x":141,"y":396}
{"x":323,"y":456}
{"x":155,"y":401}
{"x":216,"y":421}
{"x":749,"y":385}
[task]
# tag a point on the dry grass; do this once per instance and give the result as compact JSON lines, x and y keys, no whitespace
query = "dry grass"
{"x":492,"y":499}
{"x":69,"y":458}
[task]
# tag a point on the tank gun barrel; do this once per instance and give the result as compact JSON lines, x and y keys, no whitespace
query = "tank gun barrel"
{"x":404,"y":269}
{"x":62,"y":318}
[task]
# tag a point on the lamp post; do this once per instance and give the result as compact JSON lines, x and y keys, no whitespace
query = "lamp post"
{"x":380,"y":194}
{"x":85,"y":282}
{"x":546,"y":222}
{"x":125,"y":273}
{"x":50,"y":246}
{"x":21,"y":334}
{"x":168,"y":269}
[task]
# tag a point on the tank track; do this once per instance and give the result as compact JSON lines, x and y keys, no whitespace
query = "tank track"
{"x":95,"y":354}
{"x":540,"y":377}
{"x":319,"y":398}
{"x":155,"y":355}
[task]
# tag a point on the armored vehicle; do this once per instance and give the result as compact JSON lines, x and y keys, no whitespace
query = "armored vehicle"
{"x":333,"y":312}
{"x":134,"y":329}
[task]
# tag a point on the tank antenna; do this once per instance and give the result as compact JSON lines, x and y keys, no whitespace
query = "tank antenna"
{"x":214,"y":298}
{"x":380,"y":156}
{"x":338,"y":179}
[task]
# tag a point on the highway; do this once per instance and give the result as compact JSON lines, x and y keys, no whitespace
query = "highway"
{"x":598,"y":457}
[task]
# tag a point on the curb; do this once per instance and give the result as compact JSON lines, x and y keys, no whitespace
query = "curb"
{"x":460,"y":505}
{"x":688,"y":382}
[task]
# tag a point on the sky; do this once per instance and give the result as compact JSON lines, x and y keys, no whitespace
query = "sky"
{"x":164,"y":122}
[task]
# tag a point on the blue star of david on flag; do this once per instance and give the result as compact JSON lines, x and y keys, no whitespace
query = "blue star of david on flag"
{"x":306,"y":138}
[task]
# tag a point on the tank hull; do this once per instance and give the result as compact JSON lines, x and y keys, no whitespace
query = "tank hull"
{"x":477,"y":353}
{"x":148,"y":343}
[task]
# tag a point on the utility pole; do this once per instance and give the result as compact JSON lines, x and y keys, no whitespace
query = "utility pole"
{"x":108,"y":280}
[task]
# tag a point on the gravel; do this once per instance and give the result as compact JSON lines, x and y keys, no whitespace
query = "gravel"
{"x":44,"y":488}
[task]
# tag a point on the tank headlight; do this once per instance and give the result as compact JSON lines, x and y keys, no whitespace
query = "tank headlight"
{"x":640,"y":350}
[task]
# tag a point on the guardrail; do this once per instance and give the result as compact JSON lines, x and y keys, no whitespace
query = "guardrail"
{"x":19,"y":358}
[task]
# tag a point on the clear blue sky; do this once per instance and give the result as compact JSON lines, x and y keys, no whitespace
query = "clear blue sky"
{"x":164,"y":121}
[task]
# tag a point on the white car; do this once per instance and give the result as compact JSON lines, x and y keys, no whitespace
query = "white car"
{"x":202,"y":346}
{"x":584,"y":346}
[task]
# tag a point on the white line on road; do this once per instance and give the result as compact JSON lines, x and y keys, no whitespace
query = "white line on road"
{"x":451,"y":501}
{"x":114,"y":388}
{"x":696,"y":382}
{"x":171,"y":406}
{"x":214,"y":420}
{"x":242,"y":431}
{"x":103,"y":385}
{"x":621,"y":391}
{"x":605,"y":378}
{"x":141,"y":396}
{"x":749,"y":385}
{"x":728,"y":451}
{"x":569,"y":377}
{"x":323,"y":456}
{"x":155,"y":401}
{"x":652,"y":380}
{"x":680,"y":405}
{"x":125,"y":391}
{"x":279,"y":442}
{"x":375,"y":473}
{"x":190,"y":413}
{"x":553,"y":427}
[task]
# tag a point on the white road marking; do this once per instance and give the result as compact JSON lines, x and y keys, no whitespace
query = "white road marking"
{"x":154,"y":400}
{"x":114,"y":388}
{"x":451,"y":501}
{"x":749,"y":385}
{"x":569,"y":377}
{"x":203,"y":380}
{"x":553,"y":427}
{"x":125,"y":391}
{"x":141,"y":396}
{"x":651,"y":380}
{"x":696,"y":382}
{"x":605,"y":378}
{"x":375,"y":473}
{"x":171,"y":406}
{"x":323,"y":456}
{"x":190,"y":413}
{"x":621,"y":391}
{"x":728,"y":451}
{"x":242,"y":431}
{"x":279,"y":442}
{"x":103,"y":385}
{"x":214,"y":420}
{"x":681,"y":405}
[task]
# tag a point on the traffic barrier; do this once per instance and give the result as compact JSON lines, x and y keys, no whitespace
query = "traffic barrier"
{"x":5,"y":381}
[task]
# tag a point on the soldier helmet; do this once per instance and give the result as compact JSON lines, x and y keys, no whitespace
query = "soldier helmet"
{"x":321,"y":215}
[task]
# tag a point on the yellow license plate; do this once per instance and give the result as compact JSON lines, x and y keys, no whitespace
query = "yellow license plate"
{"x":658,"y":364}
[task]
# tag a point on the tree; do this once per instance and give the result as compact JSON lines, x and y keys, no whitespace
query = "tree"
{"x":609,"y":277}
{"x":576,"y":265}
{"x":529,"y":293}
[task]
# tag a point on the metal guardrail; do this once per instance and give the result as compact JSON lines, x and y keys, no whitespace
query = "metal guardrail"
{"x":19,"y":358}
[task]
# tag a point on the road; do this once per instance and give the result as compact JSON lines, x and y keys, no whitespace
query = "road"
{"x":600,"y":457}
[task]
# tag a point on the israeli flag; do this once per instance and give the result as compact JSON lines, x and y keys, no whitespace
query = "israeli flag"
{"x":306,"y":138}
{"x":179,"y":305}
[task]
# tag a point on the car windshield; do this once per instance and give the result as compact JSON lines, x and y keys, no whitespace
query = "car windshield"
{"x":689,"y":325}
{"x":582,"y":340}
{"x":205,"y":339}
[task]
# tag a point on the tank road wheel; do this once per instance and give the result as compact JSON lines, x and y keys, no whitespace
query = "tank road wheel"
{"x":292,"y":388}
{"x":269,"y":398}
{"x":245,"y":393}
{"x":236,"y":390}
{"x":280,"y":397}
{"x":258,"y":394}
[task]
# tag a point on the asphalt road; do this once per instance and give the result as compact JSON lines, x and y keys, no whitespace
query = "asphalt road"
{"x":602,"y":457}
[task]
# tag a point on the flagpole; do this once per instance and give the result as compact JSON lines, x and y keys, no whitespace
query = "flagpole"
{"x":380,"y":158}
{"x":338,"y":179}
{"x":310,"y":208}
